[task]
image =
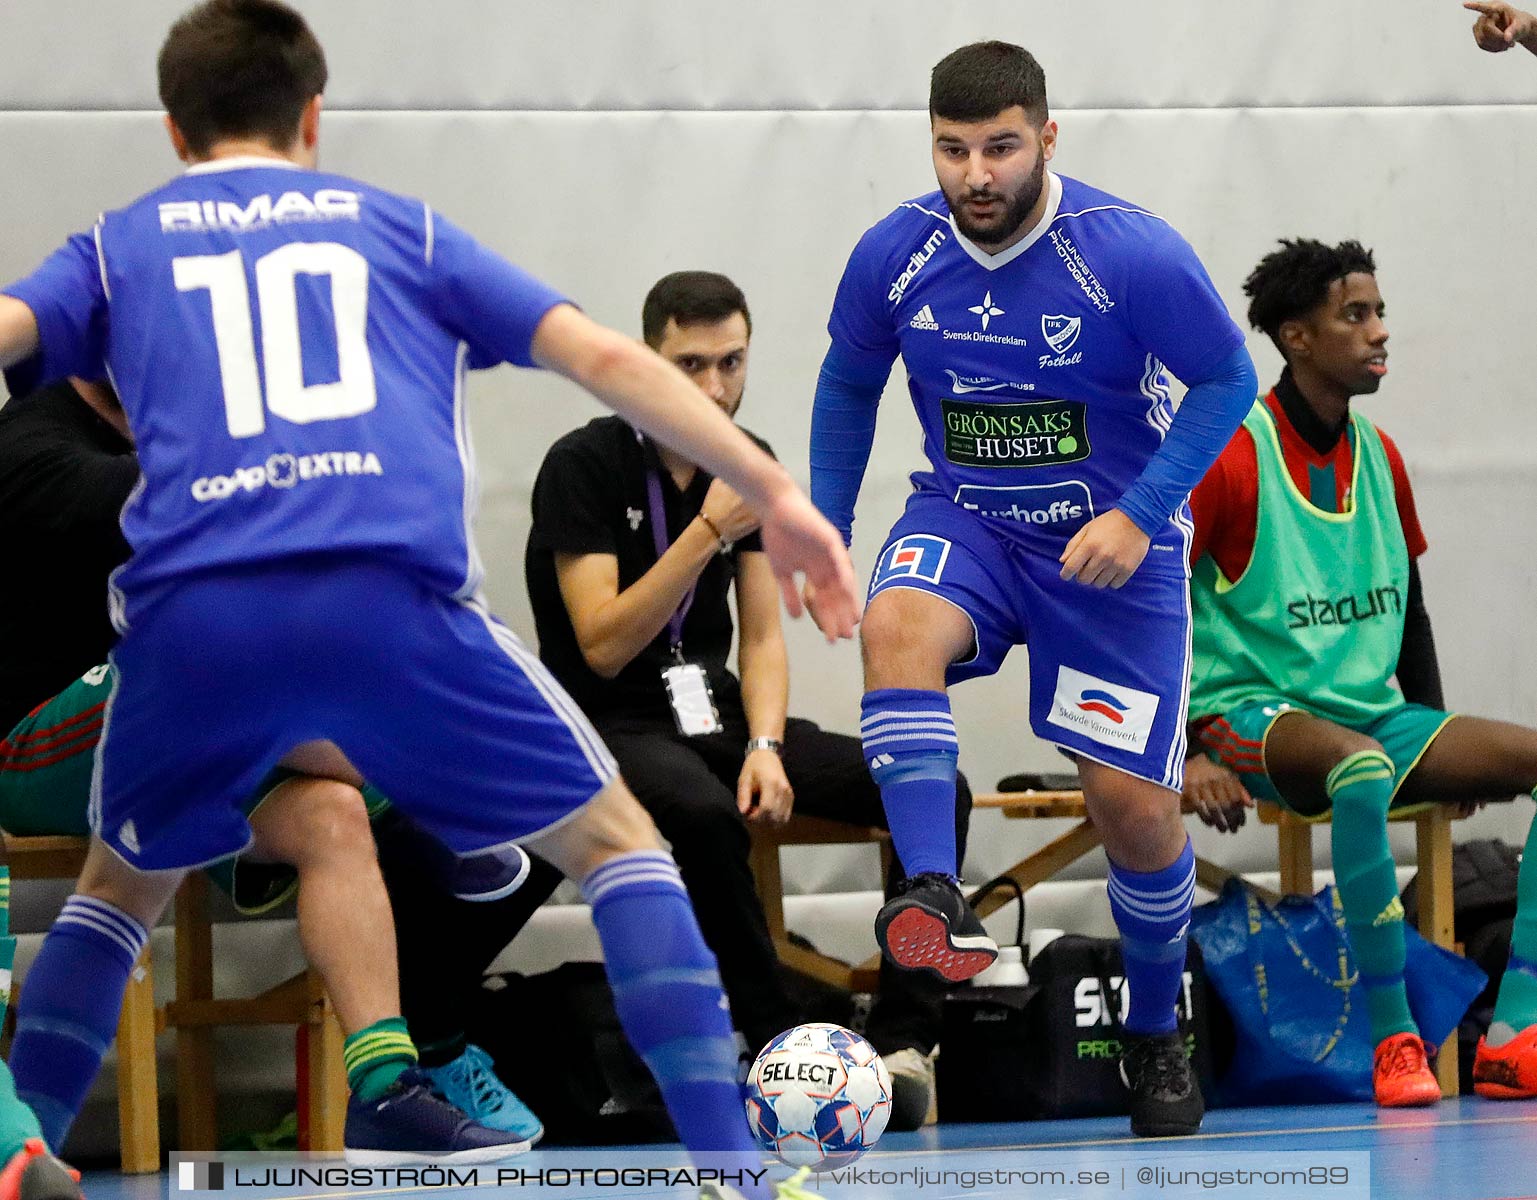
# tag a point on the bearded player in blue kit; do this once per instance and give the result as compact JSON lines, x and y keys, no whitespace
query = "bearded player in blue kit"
{"x":1038,"y":320}
{"x":290,"y":349}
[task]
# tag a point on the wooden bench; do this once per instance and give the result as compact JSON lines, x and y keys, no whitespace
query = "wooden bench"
{"x":196,"y":1012}
{"x":138,"y":1092}
{"x":800,"y":830}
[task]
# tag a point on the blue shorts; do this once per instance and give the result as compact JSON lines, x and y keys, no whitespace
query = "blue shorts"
{"x":1109,"y":668}
{"x":433,"y":701}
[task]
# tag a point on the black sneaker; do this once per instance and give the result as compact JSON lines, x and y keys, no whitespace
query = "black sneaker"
{"x":1165,"y":1097}
{"x":928,"y":926}
{"x":409,"y":1124}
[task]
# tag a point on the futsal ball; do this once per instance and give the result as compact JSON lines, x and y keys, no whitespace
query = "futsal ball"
{"x":818,"y":1096}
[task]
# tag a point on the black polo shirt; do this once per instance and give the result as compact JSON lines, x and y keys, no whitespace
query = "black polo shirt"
{"x":590,"y":498}
{"x":64,"y":477}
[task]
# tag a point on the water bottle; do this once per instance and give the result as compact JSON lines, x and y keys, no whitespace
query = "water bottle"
{"x":1007,"y":971}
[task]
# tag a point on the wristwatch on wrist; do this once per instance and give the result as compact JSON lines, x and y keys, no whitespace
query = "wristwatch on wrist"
{"x":765,"y":743}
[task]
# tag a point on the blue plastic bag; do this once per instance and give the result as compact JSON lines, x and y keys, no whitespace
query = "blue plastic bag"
{"x":1287,"y":976}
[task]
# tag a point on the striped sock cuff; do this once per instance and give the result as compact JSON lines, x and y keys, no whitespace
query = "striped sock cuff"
{"x":1153,"y":905}
{"x":5,"y":900}
{"x":380,"y":1042}
{"x":102,"y":921}
{"x":1361,"y":767}
{"x":640,"y":870}
{"x":896,"y":720}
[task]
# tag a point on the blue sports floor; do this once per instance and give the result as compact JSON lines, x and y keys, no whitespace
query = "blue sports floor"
{"x":1466,"y":1149}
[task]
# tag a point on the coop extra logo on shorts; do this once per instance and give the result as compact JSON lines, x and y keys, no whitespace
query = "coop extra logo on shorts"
{"x":1039,"y":433}
{"x":1106,"y":712}
{"x":285,"y":471}
{"x":1067,"y":503}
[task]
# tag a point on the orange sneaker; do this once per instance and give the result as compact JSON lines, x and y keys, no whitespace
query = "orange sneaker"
{"x":34,"y":1174}
{"x":1401,"y":1075}
{"x":1507,"y":1072}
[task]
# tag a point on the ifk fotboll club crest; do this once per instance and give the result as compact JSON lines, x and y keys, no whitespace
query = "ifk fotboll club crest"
{"x":1060,"y":331}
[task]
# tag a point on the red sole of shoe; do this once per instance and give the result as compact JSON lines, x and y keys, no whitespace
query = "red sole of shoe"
{"x":1411,"y":1101}
{"x":1498,"y":1091}
{"x":920,"y":941}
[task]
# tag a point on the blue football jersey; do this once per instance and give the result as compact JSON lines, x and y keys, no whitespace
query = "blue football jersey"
{"x":290,"y":347}
{"x":1040,"y":375}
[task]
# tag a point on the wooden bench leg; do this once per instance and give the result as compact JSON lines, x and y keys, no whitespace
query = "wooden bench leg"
{"x":1296,"y":854}
{"x":326,"y":1103}
{"x":196,"y":1114}
{"x":1433,"y":837}
{"x":138,"y":1093}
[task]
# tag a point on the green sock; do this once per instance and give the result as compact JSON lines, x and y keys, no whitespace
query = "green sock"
{"x":1516,"y":1007}
{"x":17,"y":1121}
{"x":1361,"y":788}
{"x":377,"y":1056}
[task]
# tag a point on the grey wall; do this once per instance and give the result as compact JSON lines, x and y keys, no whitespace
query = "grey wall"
{"x":601,"y":144}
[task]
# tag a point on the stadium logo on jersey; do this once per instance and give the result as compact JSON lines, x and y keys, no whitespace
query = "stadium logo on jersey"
{"x":1038,"y":433}
{"x":1081,"y":272}
{"x":1102,"y":711}
{"x":916,"y":556}
{"x":1042,"y":504}
{"x":1314,"y":610}
{"x":914,"y":265}
{"x":286,"y":471}
{"x":924,"y":319}
{"x":1060,"y":331}
{"x":327,"y":204}
{"x":987,"y":310}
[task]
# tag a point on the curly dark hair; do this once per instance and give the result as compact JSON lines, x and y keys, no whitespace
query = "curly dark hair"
{"x":1294,"y":280}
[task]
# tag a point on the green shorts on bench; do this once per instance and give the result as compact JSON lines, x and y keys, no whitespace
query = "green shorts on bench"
{"x":1237,"y":738}
{"x":45,"y":788}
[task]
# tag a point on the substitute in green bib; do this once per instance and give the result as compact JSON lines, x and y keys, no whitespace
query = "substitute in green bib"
{"x":1308,"y":609}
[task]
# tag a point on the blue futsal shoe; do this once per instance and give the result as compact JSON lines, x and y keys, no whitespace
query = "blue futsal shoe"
{"x":470,"y":1083}
{"x":408,"y":1124}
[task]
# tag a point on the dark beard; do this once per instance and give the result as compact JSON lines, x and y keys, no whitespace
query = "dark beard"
{"x":1015,"y":210}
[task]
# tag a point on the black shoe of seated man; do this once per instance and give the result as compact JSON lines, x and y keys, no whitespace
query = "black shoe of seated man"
{"x":409,"y":1124}
{"x":928,"y":926}
{"x":1165,"y":1097}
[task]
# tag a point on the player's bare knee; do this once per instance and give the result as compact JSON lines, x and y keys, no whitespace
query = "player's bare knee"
{"x":1348,"y":742}
{"x":312,"y":821}
{"x":908,"y":639}
{"x":143,"y":895}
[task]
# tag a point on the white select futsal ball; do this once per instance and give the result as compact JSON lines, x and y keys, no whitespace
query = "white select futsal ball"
{"x":818,"y":1096}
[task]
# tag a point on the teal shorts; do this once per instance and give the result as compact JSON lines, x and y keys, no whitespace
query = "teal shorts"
{"x":1236,"y":740}
{"x":45,"y":788}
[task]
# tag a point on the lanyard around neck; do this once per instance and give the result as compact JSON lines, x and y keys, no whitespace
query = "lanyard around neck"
{"x":659,"y":536}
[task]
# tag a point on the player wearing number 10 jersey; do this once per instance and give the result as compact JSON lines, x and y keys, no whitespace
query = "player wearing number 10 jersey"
{"x":290,"y":349}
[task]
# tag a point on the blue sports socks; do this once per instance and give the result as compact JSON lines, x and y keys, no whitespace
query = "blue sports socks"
{"x":667,"y":993}
{"x":1152,"y":912}
{"x":1361,"y":789}
{"x":911,"y":750}
{"x":68,"y":1012}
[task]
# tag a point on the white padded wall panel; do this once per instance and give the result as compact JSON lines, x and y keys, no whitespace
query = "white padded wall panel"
{"x":794,"y":54}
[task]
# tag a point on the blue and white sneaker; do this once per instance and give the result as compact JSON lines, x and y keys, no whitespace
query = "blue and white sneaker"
{"x":469,"y":1082}
{"x":409,"y":1124}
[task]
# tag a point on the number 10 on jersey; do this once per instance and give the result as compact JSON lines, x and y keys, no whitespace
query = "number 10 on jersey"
{"x":223,"y":276}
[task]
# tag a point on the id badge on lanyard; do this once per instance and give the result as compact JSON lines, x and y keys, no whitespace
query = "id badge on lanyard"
{"x":688,"y":686}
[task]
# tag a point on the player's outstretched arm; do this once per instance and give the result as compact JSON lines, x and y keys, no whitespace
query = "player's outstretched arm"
{"x":18,"y":331}
{"x":659,"y":400}
{"x":1500,"y":26}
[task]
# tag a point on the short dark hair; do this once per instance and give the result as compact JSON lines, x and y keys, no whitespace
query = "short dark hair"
{"x":239,"y":69}
{"x":979,"y":81}
{"x":690,"y":298}
{"x":1291,"y":282}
